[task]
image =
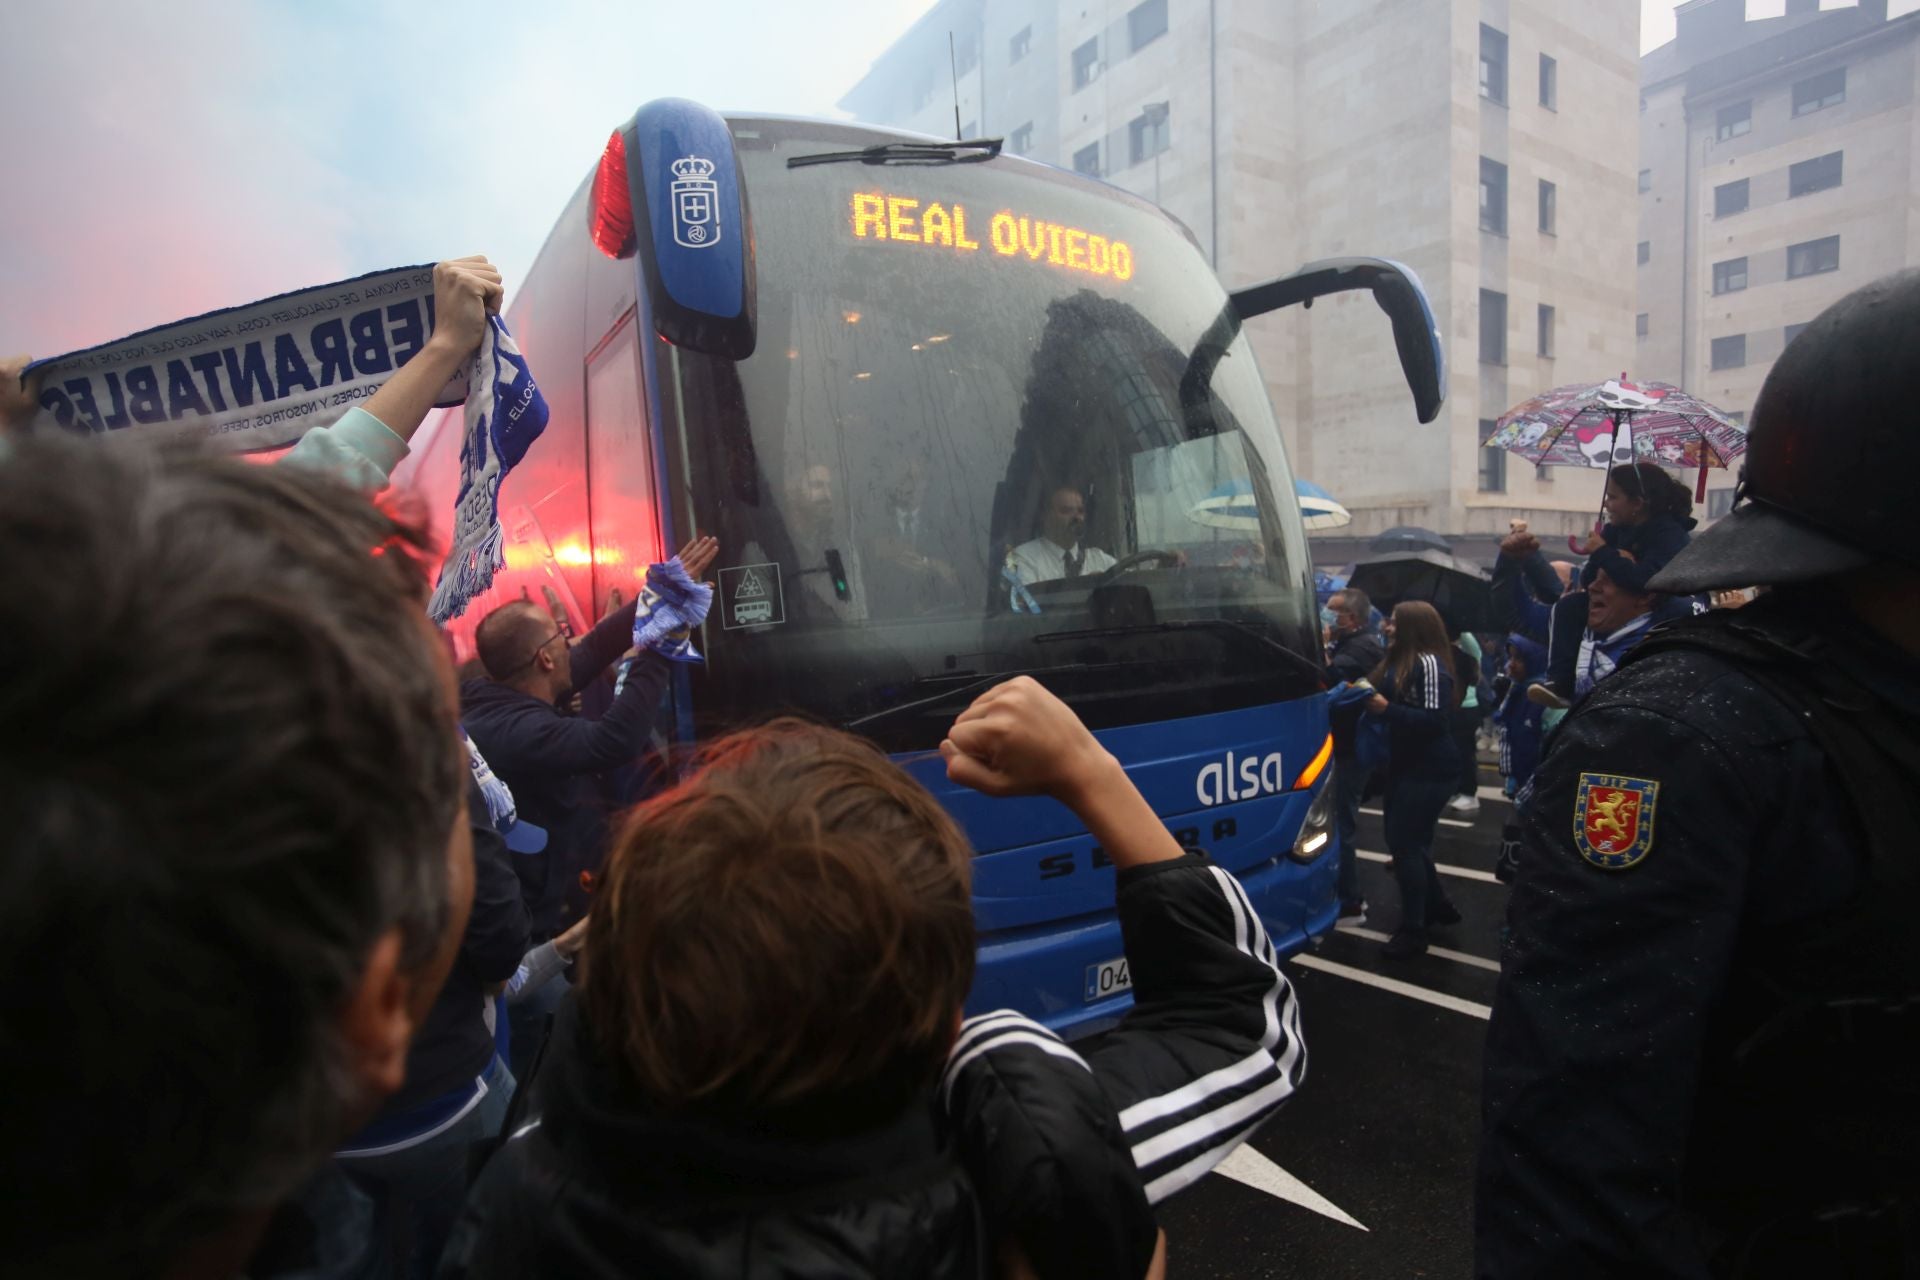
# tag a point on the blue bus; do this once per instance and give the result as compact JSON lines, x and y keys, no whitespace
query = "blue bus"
{"x":953,"y":416}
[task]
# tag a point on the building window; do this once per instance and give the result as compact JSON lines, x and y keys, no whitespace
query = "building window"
{"x":1792,"y":331}
{"x":1812,"y":257}
{"x":966,"y":56}
{"x":1087,"y":159}
{"x":1021,"y":44}
{"x":1493,"y":196}
{"x":1730,"y":353}
{"x":1640,"y":325}
{"x":1086,"y":63}
{"x":1493,"y":64}
{"x":1545,"y":335}
{"x":1147,"y":22}
{"x":1828,"y":89}
{"x":1730,"y":276}
{"x":1549,"y":210}
{"x":1020,"y":141}
{"x":1643,"y":252}
{"x":1733,"y":121}
{"x":1493,"y":462}
{"x":1730,"y":198}
{"x":1493,"y":328}
{"x":1549,"y":83}
{"x":1147,"y":134}
{"x":1719,"y":503}
{"x":1813,"y":175}
{"x":1646,"y":180}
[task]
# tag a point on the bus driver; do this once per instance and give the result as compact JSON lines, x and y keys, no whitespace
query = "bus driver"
{"x":1057,"y":552}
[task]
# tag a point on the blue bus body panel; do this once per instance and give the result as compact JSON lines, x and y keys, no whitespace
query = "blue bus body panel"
{"x":1044,"y":892}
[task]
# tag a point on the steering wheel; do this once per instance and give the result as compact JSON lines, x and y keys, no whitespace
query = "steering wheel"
{"x":1125,"y":563}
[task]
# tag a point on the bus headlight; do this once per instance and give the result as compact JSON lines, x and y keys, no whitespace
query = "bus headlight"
{"x":1316,"y":829}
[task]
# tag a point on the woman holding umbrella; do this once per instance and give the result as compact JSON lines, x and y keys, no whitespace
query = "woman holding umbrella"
{"x":1416,"y":692}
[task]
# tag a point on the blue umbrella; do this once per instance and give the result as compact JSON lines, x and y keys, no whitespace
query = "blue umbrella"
{"x":1318,"y":508}
{"x":1231,"y":506}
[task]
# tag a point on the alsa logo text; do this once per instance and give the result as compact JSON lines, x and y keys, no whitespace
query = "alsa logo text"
{"x":1240,"y":779}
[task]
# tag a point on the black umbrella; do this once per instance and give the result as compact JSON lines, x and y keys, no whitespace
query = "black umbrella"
{"x":1457,"y":588}
{"x":1407,"y":537}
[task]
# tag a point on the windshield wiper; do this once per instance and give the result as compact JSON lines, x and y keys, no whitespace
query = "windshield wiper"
{"x":968,"y":691}
{"x":1299,"y":660}
{"x":907,"y":153}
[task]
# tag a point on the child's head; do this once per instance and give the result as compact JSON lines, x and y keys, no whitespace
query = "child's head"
{"x":793,"y":923}
{"x":1525,"y":658}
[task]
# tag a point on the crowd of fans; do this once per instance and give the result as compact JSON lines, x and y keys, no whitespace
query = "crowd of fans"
{"x":305,"y":934}
{"x":325,"y":963}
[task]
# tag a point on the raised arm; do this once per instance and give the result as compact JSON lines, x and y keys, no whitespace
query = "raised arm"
{"x":1210,"y":1049}
{"x":464,"y":291}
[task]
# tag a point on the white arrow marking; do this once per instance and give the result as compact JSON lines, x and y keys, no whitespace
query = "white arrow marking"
{"x":1248,"y":1166}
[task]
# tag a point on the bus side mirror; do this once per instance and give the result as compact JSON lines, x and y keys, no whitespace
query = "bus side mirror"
{"x":1416,"y":335}
{"x":692,"y":232}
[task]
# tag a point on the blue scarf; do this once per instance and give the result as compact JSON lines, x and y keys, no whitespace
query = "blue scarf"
{"x":505,"y":414}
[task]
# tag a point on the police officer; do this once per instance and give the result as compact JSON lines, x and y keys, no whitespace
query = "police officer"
{"x":1704,"y":1055}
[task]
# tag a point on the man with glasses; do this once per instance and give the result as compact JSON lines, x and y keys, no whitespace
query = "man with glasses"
{"x":549,"y":759}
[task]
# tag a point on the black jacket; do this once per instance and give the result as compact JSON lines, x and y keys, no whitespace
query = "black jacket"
{"x":550,"y":761}
{"x":1663,"y":1095}
{"x":1025,"y":1138}
{"x":1653,"y":543}
{"x":1354,"y":655}
{"x":1420,"y":724}
{"x":453,"y":1044}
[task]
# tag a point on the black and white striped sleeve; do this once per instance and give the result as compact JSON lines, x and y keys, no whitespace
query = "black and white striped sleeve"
{"x":1045,"y":1151}
{"x":1430,"y":682}
{"x":1212,"y":1047}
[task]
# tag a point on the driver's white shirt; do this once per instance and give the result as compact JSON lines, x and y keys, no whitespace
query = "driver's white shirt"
{"x":1043,"y":560}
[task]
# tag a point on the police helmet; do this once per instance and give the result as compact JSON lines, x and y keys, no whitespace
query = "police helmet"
{"x":1831,"y":453}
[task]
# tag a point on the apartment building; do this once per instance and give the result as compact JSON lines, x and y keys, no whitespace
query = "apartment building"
{"x":1489,"y":145}
{"x":1778,"y":173}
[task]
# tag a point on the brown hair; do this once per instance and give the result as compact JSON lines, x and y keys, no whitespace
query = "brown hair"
{"x":1646,"y":481}
{"x":790,"y":924}
{"x":1417,"y":630}
{"x":232,"y":765}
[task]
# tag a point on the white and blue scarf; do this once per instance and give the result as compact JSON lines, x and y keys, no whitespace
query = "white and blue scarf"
{"x":255,"y":377}
{"x":505,"y":414}
{"x":260,"y":376}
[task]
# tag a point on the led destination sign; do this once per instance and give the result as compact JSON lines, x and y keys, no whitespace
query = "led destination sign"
{"x":908,"y":221}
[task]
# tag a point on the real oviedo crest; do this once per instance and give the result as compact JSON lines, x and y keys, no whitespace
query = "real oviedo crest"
{"x":1613,"y":819}
{"x":696,"y":203}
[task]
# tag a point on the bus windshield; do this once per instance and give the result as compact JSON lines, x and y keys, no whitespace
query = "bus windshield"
{"x":998,"y":420}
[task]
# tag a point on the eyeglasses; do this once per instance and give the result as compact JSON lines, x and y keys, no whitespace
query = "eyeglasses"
{"x":539,"y":649}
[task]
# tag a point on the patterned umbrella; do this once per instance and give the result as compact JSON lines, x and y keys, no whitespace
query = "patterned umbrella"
{"x":1577,"y":426}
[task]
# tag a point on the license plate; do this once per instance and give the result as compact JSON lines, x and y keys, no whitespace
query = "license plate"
{"x":1108,"y":978}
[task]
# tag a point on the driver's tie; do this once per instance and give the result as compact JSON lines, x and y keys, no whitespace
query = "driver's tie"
{"x":1074,"y":559}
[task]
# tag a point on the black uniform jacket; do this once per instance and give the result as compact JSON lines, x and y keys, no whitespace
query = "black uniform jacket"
{"x":1653,"y":1106}
{"x":1025,"y":1138}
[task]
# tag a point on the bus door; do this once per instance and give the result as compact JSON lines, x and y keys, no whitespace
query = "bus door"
{"x":623,"y":509}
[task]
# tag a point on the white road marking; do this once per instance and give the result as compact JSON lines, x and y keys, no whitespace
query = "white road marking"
{"x":1245,"y":1165}
{"x":1399,"y":988}
{"x":1458,"y":957}
{"x":1494,"y":793}
{"x":1444,"y":868}
{"x":1445,"y":822}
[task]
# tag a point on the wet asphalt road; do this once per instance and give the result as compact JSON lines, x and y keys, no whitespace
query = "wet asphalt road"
{"x":1383,"y":1132}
